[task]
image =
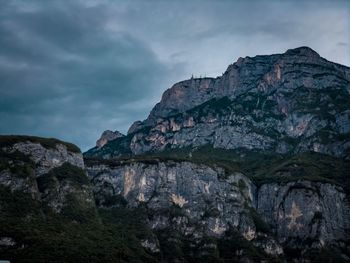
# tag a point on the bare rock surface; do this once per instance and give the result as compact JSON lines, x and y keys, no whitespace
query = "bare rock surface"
{"x":288,"y":103}
{"x":107,"y":136}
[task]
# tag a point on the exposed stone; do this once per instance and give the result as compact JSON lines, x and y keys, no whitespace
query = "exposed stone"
{"x":108,"y":136}
{"x":287,"y":103}
{"x":196,"y":189}
{"x":297,"y":212}
{"x":7,"y":242}
{"x":47,"y":158}
{"x":305,"y":210}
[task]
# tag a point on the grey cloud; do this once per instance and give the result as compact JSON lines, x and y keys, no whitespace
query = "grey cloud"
{"x":62,"y":74}
{"x":342,"y":44}
{"x":71,"y":69}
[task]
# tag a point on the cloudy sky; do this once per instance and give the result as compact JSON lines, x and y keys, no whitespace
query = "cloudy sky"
{"x":71,"y":69}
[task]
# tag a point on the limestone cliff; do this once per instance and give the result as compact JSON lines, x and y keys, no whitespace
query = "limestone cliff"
{"x":200,"y":202}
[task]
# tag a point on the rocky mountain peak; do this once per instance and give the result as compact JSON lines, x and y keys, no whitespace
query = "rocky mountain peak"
{"x":107,"y":136}
{"x":287,"y":103}
{"x":265,"y":72}
{"x":302,"y":51}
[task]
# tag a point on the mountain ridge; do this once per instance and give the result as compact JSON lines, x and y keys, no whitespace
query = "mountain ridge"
{"x":278,"y":84}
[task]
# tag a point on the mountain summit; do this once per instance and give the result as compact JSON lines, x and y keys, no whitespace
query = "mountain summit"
{"x":287,"y":103}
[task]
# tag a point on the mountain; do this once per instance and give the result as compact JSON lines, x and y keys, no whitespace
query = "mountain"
{"x":287,"y":103}
{"x":261,"y":153}
{"x":252,"y":166}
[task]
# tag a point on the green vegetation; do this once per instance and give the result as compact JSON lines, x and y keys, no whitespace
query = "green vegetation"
{"x":66,"y":172}
{"x":49,"y":143}
{"x":329,"y":254}
{"x":56,"y":239}
{"x":175,"y":247}
{"x":17,"y":162}
{"x":79,"y":233}
{"x":233,"y":242}
{"x":260,"y":224}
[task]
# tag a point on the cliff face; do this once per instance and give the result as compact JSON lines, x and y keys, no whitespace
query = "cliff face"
{"x":302,"y":212}
{"x":286,"y":103}
{"x":200,"y":202}
{"x":197,"y":190}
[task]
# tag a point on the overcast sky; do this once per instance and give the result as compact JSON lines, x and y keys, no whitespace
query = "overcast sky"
{"x":72,"y":69}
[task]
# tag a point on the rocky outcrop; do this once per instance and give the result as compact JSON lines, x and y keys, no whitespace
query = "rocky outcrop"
{"x":199,"y":200}
{"x":203,"y":193}
{"x":305,"y":214}
{"x":108,"y":136}
{"x":286,"y":103}
{"x":49,"y":171}
{"x":195,"y":200}
{"x":48,"y":210}
{"x":296,"y":67}
{"x":46,"y":159}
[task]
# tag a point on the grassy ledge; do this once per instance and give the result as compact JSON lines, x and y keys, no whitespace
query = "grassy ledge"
{"x":49,"y":143}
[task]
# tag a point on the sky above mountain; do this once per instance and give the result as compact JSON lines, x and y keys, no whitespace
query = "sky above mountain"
{"x":71,"y":69}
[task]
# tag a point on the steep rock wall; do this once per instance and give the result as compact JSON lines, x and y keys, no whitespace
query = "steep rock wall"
{"x":299,"y":215}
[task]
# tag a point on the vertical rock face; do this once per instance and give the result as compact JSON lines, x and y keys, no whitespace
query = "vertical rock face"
{"x":182,"y":96}
{"x":196,"y":190}
{"x":305,"y":213}
{"x":300,"y":215}
{"x":107,"y":136}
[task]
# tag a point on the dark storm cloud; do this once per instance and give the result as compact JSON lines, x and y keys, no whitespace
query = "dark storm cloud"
{"x":71,"y":69}
{"x":62,"y":74}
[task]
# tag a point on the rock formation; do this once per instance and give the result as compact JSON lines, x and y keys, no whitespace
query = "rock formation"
{"x":286,"y":103}
{"x":262,"y":151}
{"x":107,"y":136}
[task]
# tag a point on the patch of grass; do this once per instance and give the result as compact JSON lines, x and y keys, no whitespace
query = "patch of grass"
{"x":260,"y":224}
{"x":242,"y":185}
{"x":233,"y":242}
{"x":18,"y":163}
{"x":65,"y":172}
